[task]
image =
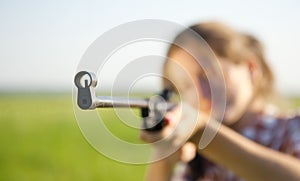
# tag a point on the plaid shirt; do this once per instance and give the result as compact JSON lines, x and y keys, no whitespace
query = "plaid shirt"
{"x":281,"y":134}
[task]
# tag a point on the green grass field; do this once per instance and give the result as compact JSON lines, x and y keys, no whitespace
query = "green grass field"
{"x":40,"y":140}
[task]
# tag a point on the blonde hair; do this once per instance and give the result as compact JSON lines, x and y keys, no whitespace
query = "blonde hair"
{"x":233,"y":46}
{"x":266,"y":87}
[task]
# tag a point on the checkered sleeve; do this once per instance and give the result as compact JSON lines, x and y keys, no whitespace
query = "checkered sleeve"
{"x":291,"y":144}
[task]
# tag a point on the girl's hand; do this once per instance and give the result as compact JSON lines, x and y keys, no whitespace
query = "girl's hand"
{"x":182,"y":122}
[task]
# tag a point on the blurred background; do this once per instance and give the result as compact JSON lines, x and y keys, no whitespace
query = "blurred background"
{"x":41,"y":43}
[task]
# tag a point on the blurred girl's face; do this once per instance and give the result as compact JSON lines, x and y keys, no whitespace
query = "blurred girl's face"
{"x":238,"y":81}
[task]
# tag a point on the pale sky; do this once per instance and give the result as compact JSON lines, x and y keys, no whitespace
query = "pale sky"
{"x":41,"y":42}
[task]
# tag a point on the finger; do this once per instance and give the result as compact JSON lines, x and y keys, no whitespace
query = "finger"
{"x":172,"y":116}
{"x":188,"y":152}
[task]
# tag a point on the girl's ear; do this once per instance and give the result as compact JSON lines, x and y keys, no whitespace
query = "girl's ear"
{"x":254,"y":69}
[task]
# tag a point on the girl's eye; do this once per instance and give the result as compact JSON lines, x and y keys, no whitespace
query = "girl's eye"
{"x":205,"y":87}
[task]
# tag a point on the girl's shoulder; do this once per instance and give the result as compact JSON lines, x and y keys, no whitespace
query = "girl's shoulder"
{"x":281,"y":133}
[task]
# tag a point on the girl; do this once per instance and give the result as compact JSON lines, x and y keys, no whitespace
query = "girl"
{"x":255,"y":140}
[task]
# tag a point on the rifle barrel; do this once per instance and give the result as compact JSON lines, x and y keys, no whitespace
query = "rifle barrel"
{"x":108,"y":102}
